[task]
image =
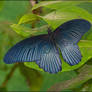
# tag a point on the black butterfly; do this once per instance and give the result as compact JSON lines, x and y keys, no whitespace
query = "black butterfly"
{"x":44,"y":49}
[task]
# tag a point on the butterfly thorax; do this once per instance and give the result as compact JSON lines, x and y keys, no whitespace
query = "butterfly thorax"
{"x":50,"y":34}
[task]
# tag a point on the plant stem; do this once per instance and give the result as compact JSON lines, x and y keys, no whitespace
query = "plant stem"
{"x":8,"y":77}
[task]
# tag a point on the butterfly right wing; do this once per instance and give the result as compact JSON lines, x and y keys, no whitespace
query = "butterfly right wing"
{"x":67,"y":36}
{"x":72,"y":31}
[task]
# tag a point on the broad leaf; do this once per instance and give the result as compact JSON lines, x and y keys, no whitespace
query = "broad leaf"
{"x":56,"y":18}
{"x":28,"y":18}
{"x":86,"y":50}
{"x":44,"y":3}
{"x":63,"y":4}
{"x":55,"y":4}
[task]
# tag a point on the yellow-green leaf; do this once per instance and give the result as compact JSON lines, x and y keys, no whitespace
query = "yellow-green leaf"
{"x":28,"y":18}
{"x":56,"y":18}
{"x":44,"y":3}
{"x":26,"y":31}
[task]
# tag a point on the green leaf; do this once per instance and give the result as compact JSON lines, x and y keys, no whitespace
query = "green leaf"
{"x":63,"y":4}
{"x":56,"y":18}
{"x":87,"y":6}
{"x":55,"y":4}
{"x":28,"y":18}
{"x":44,"y":3}
{"x":86,"y":50}
{"x":26,"y":31}
{"x":88,"y":35}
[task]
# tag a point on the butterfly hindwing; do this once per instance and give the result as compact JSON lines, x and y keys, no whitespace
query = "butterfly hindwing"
{"x":67,"y":36}
{"x":71,"y":53}
{"x":50,"y":60}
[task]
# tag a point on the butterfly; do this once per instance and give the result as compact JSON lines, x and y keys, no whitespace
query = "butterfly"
{"x":45,"y":49}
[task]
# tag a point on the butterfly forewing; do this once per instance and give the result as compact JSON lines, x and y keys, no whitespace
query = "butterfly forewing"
{"x":24,"y":51}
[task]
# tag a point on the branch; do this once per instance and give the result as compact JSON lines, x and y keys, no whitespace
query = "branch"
{"x":84,"y":75}
{"x":37,"y":11}
{"x":32,"y":2}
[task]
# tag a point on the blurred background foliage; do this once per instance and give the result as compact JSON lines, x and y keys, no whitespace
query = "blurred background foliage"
{"x":21,"y":19}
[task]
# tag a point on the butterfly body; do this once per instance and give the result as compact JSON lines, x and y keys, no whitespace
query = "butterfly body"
{"x":44,"y":49}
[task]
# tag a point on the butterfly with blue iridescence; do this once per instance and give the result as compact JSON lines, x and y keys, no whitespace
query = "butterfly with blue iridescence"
{"x":44,"y":49}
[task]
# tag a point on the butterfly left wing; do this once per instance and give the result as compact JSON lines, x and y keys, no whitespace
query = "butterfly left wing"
{"x":39,"y":49}
{"x":67,"y":36}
